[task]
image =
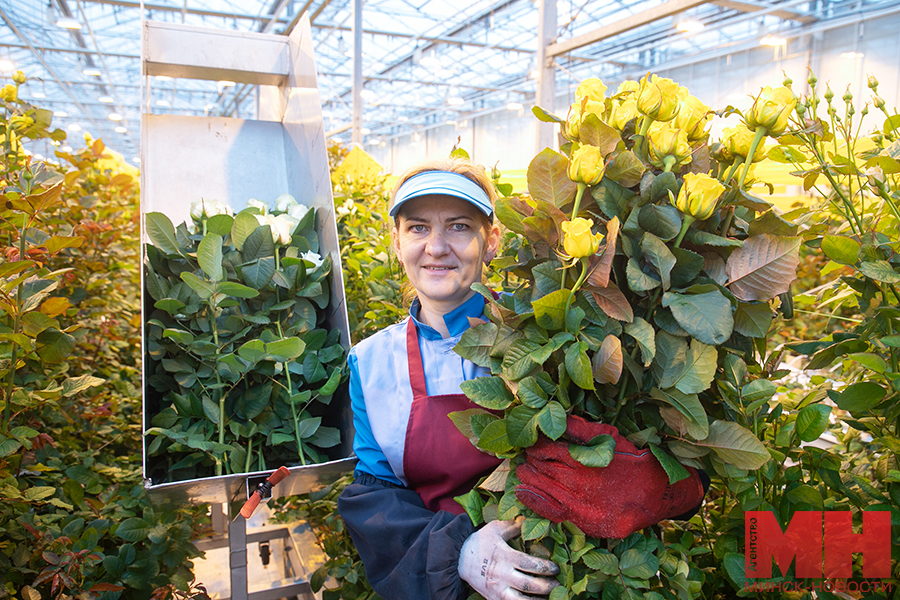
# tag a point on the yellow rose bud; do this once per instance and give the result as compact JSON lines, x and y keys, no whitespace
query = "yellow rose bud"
{"x":592,"y":89}
{"x":693,"y":116}
{"x":578,"y":241}
{"x":698,"y":196}
{"x":587,"y":165}
{"x":668,"y":145}
{"x":629,"y":85}
{"x":658,"y":98}
{"x":8,"y":93}
{"x":771,"y":110}
{"x":621,"y":113}
{"x":19,"y":77}
{"x":577,"y":113}
{"x":737,"y":141}
{"x":21,"y":122}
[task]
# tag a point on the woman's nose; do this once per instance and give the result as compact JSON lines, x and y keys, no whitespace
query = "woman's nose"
{"x":437,"y":244}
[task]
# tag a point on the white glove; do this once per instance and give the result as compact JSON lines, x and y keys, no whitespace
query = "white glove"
{"x":497,"y":572}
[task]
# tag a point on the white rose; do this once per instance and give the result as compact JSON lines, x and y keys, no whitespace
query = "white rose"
{"x":298,"y":211}
{"x":312,"y":257}
{"x":284,"y":202}
{"x":202,"y":208}
{"x":269,"y":219}
{"x":282,"y":227}
{"x":259,"y":205}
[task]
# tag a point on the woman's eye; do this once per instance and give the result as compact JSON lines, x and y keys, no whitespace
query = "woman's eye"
{"x":417,"y":228}
{"x":459,"y":226}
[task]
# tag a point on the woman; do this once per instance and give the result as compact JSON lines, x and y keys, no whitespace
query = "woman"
{"x":416,"y":542}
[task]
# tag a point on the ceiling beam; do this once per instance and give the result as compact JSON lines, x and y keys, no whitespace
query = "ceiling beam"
{"x":69,"y":50}
{"x":190,"y":11}
{"x":749,"y":7}
{"x":668,"y":9}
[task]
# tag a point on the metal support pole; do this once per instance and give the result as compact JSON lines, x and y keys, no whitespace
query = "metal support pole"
{"x":237,"y":557}
{"x":545,"y":96}
{"x":356,"y":138}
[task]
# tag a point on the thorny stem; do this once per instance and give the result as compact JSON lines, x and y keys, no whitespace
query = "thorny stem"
{"x":215,"y":330}
{"x":578,"y":195}
{"x":581,"y":278}
{"x":738,"y":161}
{"x":688,"y":219}
{"x":287,"y":372}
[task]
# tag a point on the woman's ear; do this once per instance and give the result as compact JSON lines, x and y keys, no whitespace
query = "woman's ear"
{"x":395,"y":242}
{"x":492,"y":244}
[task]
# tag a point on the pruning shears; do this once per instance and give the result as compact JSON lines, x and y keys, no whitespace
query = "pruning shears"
{"x":263,"y":490}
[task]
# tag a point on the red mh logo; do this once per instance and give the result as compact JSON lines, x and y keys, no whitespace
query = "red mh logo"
{"x":822,"y":542}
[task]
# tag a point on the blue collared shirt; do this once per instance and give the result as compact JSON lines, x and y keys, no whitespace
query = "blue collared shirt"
{"x":380,"y":391}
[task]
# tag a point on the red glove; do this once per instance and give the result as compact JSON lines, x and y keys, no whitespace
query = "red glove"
{"x":629,"y":494}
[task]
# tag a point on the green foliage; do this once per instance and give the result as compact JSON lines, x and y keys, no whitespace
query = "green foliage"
{"x":70,"y":443}
{"x":239,"y":366}
{"x":372,"y":277}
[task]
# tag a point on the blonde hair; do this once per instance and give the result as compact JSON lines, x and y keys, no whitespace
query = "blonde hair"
{"x":462,"y":166}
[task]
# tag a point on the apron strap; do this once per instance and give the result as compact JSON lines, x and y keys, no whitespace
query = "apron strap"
{"x":414,"y":358}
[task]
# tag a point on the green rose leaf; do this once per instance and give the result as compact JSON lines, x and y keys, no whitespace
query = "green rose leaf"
{"x":601,"y":560}
{"x":645,"y":336}
{"x":812,"y":421}
{"x":220,"y":224}
{"x":578,"y":365}
{"x":671,"y":354}
{"x":493,"y":437}
{"x":841,"y":249}
{"x":859,"y":397}
{"x":638,"y":281}
{"x":517,"y":361}
{"x":530,"y":393}
{"x":473,"y":504}
{"x":133,"y":529}
{"x":170,"y":305}
{"x":489,"y":392}
{"x":870,"y":361}
{"x":74,"y":385}
{"x":657,"y":254}
{"x":161,"y":232}
{"x":663,"y":221}
{"x":706,"y":317}
{"x":534,"y":528}
{"x":285,"y":349}
{"x":54,"y":346}
{"x":230,"y":288}
{"x":735,"y":445}
{"x":753,"y":319}
{"x":476,"y":343}
{"x":209,"y":256}
{"x":879,"y":270}
{"x":203,"y":288}
{"x":688,"y":266}
{"x":244,"y":224}
{"x":699,"y":369}
{"x":211,"y":410}
{"x":597,"y":454}
{"x":638,"y":564}
{"x":522,"y":426}
{"x":259,"y":244}
{"x":258,"y":274}
{"x":674,"y":469}
{"x":552,"y":420}
{"x":695,"y":420}
{"x":550,"y":310}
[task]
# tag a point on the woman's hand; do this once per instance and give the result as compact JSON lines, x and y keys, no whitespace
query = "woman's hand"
{"x":497,"y":572}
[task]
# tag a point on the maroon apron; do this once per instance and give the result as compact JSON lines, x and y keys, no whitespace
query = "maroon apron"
{"x":439,"y":461}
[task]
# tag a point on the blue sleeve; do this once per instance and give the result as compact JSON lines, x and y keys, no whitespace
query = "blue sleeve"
{"x":409,"y":552}
{"x":366,"y":448}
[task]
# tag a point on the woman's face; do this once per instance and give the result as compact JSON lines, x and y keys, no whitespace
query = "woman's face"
{"x":442,"y":243}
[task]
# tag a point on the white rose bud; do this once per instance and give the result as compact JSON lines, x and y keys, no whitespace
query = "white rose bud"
{"x":284,"y":202}
{"x":312,"y":257}
{"x":202,"y":208}
{"x":298,"y":211}
{"x":259,"y":205}
{"x":875,"y":176}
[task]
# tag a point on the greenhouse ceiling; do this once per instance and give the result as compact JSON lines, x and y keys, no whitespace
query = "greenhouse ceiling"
{"x":424,"y":62}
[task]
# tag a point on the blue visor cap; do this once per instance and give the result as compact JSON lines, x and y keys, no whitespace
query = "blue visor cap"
{"x":442,"y":183}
